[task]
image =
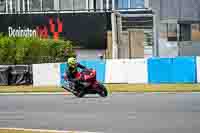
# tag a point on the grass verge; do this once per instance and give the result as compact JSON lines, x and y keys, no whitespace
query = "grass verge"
{"x":19,"y":131}
{"x":111,"y":88}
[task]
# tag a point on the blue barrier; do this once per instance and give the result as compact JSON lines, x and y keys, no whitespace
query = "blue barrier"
{"x":159,"y":70}
{"x":172,"y":70}
{"x":98,"y":65}
{"x":184,"y":70}
{"x":63,"y":68}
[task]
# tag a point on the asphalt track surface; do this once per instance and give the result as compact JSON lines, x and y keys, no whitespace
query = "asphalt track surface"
{"x":119,"y":113}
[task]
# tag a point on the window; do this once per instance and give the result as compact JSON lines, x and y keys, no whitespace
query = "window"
{"x":48,"y":5}
{"x":66,"y":4}
{"x":79,"y":4}
{"x":23,"y":5}
{"x":123,"y":4}
{"x":98,"y":4}
{"x":185,"y":32}
{"x":12,"y":6}
{"x":140,"y":3}
{"x":109,"y":5}
{"x":2,"y":5}
{"x":35,"y":5}
{"x":137,"y":3}
{"x":163,"y":31}
{"x":104,"y":4}
{"x":91,"y":4}
{"x":172,"y":32}
{"x":195,"y":32}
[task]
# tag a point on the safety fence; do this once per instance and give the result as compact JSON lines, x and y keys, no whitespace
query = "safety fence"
{"x":16,"y":75}
{"x":131,"y":71}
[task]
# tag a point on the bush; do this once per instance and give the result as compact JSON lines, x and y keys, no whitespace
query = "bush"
{"x":16,"y":50}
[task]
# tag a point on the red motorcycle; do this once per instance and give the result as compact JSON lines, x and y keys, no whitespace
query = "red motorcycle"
{"x":87,"y":85}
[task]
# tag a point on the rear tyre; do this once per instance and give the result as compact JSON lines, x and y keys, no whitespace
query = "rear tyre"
{"x":79,"y":94}
{"x":103,"y":92}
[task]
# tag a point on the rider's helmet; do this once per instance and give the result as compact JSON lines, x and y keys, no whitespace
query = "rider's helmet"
{"x":72,"y":62}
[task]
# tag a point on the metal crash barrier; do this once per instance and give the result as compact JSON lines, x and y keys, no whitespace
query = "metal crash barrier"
{"x":16,"y":75}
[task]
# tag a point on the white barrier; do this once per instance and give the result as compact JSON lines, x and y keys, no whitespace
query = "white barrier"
{"x":198,"y":69}
{"x":126,"y":71}
{"x":137,"y":71}
{"x":46,"y":74}
{"x":116,"y":71}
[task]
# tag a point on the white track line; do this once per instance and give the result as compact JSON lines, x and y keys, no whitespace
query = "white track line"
{"x":35,"y":93}
{"x":115,"y":93}
{"x":44,"y":130}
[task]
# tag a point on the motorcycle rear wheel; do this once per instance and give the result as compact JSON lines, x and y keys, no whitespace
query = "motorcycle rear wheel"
{"x":79,"y":94}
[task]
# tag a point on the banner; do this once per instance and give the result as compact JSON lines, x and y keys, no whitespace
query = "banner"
{"x":172,"y":70}
{"x":98,"y":65}
{"x":137,"y":71}
{"x":126,"y":71}
{"x":116,"y":71}
{"x":46,"y":74}
{"x":184,"y":70}
{"x":86,"y":30}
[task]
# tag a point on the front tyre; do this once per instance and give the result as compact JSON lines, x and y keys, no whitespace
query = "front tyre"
{"x":103,"y":91}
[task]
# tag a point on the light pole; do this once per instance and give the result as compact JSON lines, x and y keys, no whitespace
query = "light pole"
{"x":155,"y":35}
{"x":114,"y":31}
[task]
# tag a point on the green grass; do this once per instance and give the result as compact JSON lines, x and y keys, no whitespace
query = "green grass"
{"x":31,"y":131}
{"x":18,"y":131}
{"x":155,"y":88}
{"x":111,"y":88}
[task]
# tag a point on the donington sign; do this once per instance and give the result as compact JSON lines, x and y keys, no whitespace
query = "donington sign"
{"x":12,"y":32}
{"x":86,"y":30}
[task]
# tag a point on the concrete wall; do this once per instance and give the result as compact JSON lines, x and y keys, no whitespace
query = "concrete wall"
{"x":172,"y":11}
{"x":83,"y":54}
{"x":190,"y":48}
{"x":167,"y":49}
{"x":176,"y":9}
{"x":145,"y":71}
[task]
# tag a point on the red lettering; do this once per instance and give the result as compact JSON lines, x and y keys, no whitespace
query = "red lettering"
{"x":42,"y":32}
{"x":52,"y":28}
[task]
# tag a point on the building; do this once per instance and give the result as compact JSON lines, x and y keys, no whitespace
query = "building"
{"x":178,"y":27}
{"x":139,"y":28}
{"x":95,"y":25}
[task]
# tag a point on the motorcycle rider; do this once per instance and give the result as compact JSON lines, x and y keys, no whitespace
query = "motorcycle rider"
{"x":72,"y":70}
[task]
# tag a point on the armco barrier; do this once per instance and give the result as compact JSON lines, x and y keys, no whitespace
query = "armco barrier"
{"x":16,"y":75}
{"x":126,"y":71}
{"x":98,"y":65}
{"x":46,"y":74}
{"x":172,"y":70}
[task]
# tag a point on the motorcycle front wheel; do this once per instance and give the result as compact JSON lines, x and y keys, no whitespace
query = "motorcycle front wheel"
{"x":103,"y":92}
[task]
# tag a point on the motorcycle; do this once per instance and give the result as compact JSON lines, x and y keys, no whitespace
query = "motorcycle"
{"x":88,"y":84}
